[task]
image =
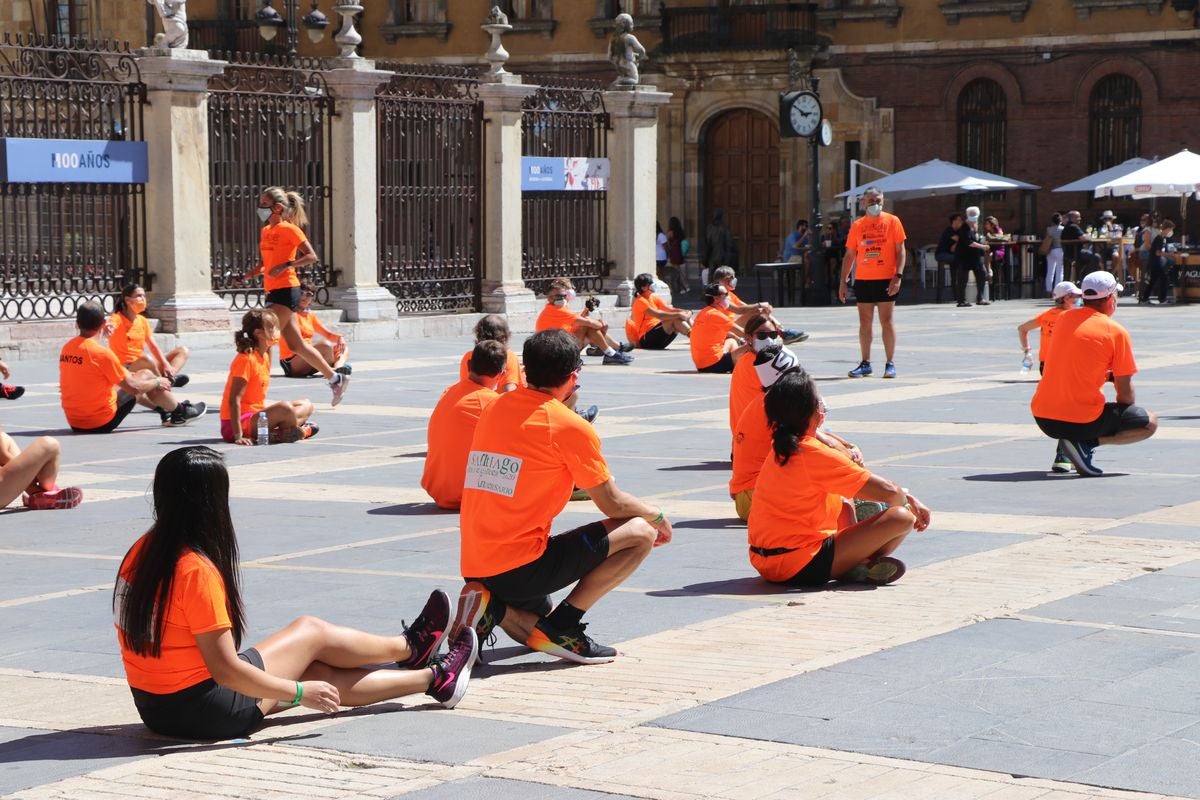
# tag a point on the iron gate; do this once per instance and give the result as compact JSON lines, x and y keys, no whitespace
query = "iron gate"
{"x":430,"y":184}
{"x":268,"y":125}
{"x":65,"y":243}
{"x":565,"y":234}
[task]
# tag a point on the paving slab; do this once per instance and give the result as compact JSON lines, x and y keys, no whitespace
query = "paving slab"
{"x":504,"y":789}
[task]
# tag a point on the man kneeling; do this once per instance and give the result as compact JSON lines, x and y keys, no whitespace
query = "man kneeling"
{"x":528,"y":452}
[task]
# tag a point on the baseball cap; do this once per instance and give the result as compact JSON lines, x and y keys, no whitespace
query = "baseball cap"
{"x":1107,"y":215}
{"x":1064,"y":288}
{"x":772,"y":362}
{"x":1098,"y":285}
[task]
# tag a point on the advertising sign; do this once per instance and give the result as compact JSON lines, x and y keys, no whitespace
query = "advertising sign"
{"x":539,"y":174}
{"x":72,"y":161}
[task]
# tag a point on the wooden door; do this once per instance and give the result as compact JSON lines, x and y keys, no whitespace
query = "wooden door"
{"x":741,"y":176}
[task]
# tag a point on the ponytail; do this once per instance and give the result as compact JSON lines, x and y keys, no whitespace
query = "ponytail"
{"x":253,"y":320}
{"x":785,"y":440}
{"x":294,"y":213}
{"x":790,"y":404}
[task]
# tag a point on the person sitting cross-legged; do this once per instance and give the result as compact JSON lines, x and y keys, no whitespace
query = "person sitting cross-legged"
{"x":652,"y":324}
{"x":494,"y":327}
{"x":743,"y":311}
{"x":557,"y":313}
{"x":716,"y":340}
{"x":528,"y":452}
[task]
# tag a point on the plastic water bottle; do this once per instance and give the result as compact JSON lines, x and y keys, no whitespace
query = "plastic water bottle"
{"x":264,"y":431}
{"x":1026,"y":364}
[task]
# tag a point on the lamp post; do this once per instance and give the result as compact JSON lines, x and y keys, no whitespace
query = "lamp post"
{"x":816,"y":251}
{"x":269,"y":22}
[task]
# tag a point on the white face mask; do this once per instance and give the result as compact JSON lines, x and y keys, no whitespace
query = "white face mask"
{"x":733,"y":283}
{"x":762,"y":344}
{"x":972,"y":219}
{"x":723,"y":302}
{"x":570,"y":295}
{"x":264,"y":214}
{"x":875,"y":210}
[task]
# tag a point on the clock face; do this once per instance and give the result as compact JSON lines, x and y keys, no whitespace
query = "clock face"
{"x":805,"y":114}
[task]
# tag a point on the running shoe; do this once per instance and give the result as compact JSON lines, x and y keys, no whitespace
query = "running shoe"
{"x":793,"y":336}
{"x":474,"y":604}
{"x":625,"y":347}
{"x":184,"y":413}
{"x":572,"y":645}
{"x":589,"y":413}
{"x":865,"y":509}
{"x":344,"y":369}
{"x":309,"y":430}
{"x":452,"y":672}
{"x":11,"y":392}
{"x":861,"y":371}
{"x":983,"y":302}
{"x":889,"y":370}
{"x":877,"y":572}
{"x":179,"y":381}
{"x":592,"y":350}
{"x":339,"y":388}
{"x":618,"y":358}
{"x":1060,"y":465}
{"x":964,"y":304}
{"x":425,"y":634}
{"x":66,"y":497}
{"x":1080,"y":455}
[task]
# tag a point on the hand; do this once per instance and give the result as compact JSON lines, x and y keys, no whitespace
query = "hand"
{"x":894,"y":285}
{"x":167,"y":372}
{"x":664,"y":532}
{"x":4,"y":370}
{"x":921,"y":512}
{"x":856,"y":455}
{"x":108,"y":331}
{"x":243,"y":441}
{"x":842,"y":288}
{"x":320,"y":696}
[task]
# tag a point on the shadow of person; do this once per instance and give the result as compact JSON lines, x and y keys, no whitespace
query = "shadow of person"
{"x":703,"y":466}
{"x":753,"y":586}
{"x":1029,"y":476}
{"x":729,"y":523}
{"x":410,"y":510}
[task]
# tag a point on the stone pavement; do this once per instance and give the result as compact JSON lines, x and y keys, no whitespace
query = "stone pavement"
{"x":1045,"y":642}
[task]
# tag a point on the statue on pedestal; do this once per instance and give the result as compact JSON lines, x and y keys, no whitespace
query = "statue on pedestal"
{"x":625,"y":51}
{"x":173,"y":14}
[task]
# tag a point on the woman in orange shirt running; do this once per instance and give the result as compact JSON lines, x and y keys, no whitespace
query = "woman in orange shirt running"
{"x":284,"y":248}
{"x":246,"y":388}
{"x":179,"y":615}
{"x":333,"y":349}
{"x":129,"y":337}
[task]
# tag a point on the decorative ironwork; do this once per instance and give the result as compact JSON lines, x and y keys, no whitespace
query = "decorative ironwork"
{"x":268,"y":125}
{"x":63,"y":243}
{"x":565,"y":234}
{"x":430,"y":184}
{"x":1114,"y":122}
{"x":769,"y":26}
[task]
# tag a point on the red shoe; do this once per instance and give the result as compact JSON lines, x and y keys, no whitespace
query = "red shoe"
{"x":66,"y":497}
{"x":11,"y":392}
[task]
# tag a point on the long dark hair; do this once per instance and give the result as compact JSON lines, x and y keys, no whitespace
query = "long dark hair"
{"x":790,"y":404}
{"x":191,"y":512}
{"x":676,"y":227}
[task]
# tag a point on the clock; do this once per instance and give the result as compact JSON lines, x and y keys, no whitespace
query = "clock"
{"x":799,"y":114}
{"x":826,"y":133}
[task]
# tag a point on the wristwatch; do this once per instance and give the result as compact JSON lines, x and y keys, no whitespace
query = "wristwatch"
{"x":899,"y":274}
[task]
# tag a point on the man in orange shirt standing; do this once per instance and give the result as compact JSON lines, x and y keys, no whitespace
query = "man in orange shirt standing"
{"x":557,"y":313}
{"x":528,"y":452}
{"x":453,"y":422}
{"x":1069,"y":404}
{"x":875,"y":251}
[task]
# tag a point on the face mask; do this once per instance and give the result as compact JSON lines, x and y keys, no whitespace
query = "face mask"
{"x":137,"y":304}
{"x":570,"y":295}
{"x":875,"y":210}
{"x":762,"y":344}
{"x":972,"y":219}
{"x":1079,"y":302}
{"x":723,"y":302}
{"x":733,"y":283}
{"x":264,"y":214}
{"x":559,"y":301}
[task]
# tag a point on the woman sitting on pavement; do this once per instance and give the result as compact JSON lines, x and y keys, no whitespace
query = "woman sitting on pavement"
{"x":716,"y":341}
{"x":179,"y":614}
{"x":32,"y":474}
{"x":333,"y":347}
{"x":494,"y":327}
{"x":802,"y":530}
{"x":652,"y":324}
{"x":129,"y":337}
{"x":246,"y":389}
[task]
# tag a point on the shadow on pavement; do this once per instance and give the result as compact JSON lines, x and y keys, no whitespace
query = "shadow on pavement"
{"x":703,"y":466}
{"x":729,"y":523}
{"x":1029,"y":476}
{"x":410,"y":509}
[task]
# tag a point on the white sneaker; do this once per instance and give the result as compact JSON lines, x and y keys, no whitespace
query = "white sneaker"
{"x":339,"y":389}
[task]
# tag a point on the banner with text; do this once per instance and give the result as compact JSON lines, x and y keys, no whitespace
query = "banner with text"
{"x":72,"y":161}
{"x":540,"y":174}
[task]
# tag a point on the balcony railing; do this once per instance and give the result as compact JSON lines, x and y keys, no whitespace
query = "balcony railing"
{"x":773,"y":26}
{"x":228,"y":36}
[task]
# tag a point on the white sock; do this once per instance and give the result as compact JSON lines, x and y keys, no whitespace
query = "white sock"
{"x":335,"y":379}
{"x":608,"y":351}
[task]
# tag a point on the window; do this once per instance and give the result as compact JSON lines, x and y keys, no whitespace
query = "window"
{"x":72,"y":18}
{"x":519,"y":10}
{"x":982,"y":126}
{"x":419,"y":11}
{"x":415,"y":18}
{"x":1115,"y":122}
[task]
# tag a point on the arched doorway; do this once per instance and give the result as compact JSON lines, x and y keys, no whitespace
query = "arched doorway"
{"x":741,"y":176}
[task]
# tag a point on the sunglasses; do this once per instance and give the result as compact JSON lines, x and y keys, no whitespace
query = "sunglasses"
{"x":762,"y":336}
{"x":308,"y":294}
{"x":578,"y":366}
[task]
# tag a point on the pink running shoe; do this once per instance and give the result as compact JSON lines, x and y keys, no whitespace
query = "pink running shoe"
{"x":66,"y":497}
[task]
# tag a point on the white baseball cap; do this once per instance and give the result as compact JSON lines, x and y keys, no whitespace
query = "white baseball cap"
{"x":771,"y":363}
{"x":1098,"y":285}
{"x":1064,"y":288}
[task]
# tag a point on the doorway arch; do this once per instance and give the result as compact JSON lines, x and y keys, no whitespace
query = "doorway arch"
{"x":741,"y":176}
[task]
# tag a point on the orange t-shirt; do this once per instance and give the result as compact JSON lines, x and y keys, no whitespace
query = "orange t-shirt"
{"x":512,"y":370}
{"x":254,"y":368}
{"x":751,"y":445}
{"x":1045,"y":321}
{"x":198,"y":604}
{"x":277,"y":244}
{"x":874,"y":240}
{"x":797,"y":506}
{"x":528,"y":452}
{"x":451,"y":427}
{"x":128,"y":339}
{"x":310,"y":325}
{"x":734,"y":300}
{"x":553,"y":316}
{"x":744,"y":387}
{"x":1086,"y":345}
{"x":709,"y":330}
{"x":88,"y":374}
{"x":640,"y":323}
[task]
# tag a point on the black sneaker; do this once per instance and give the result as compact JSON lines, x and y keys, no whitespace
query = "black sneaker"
{"x":184,"y":413}
{"x":345,"y":369}
{"x":592,"y":350}
{"x":572,"y":645}
{"x":589,"y":413}
{"x":179,"y":381}
{"x":427,"y":630}
{"x":11,"y":392}
{"x":625,"y":347}
{"x":1080,"y":454}
{"x":618,"y":358}
{"x":452,"y":672}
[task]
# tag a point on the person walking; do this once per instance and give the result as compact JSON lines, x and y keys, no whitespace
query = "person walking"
{"x":676,"y":252}
{"x":1160,"y":258}
{"x":1054,"y":253}
{"x":875,"y":252}
{"x":719,"y":247}
{"x":969,"y":257}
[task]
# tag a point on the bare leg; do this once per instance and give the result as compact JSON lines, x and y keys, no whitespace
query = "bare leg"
{"x":143,"y":363}
{"x":36,"y":468}
{"x":878,"y":536}
{"x":887,"y":325}
{"x":301,"y":368}
{"x":518,"y":624}
{"x":629,"y":542}
{"x":290,"y":330}
{"x":866,"y":319}
{"x":177,"y":358}
{"x":1133,"y":435}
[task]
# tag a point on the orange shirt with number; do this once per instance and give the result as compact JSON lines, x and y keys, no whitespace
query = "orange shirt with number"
{"x":709,"y":331}
{"x":255,"y":369}
{"x":128,"y":337}
{"x":512,"y":369}
{"x":751,"y":445}
{"x":796,"y":506}
{"x":553,"y":316}
{"x":528,"y":453}
{"x":744,"y":387}
{"x":640,"y":323}
{"x":451,"y":428}
{"x":874,"y":240}
{"x":1087,"y":345}
{"x":88,"y":374}
{"x":310,"y":326}
{"x":198,"y":604}
{"x":277,"y":244}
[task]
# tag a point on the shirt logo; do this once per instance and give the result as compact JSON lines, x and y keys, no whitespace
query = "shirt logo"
{"x":492,"y":472}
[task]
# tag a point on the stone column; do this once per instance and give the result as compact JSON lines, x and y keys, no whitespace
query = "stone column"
{"x":503,"y":288}
{"x":178,"y":229}
{"x":633,"y":187}
{"x":355,"y":192}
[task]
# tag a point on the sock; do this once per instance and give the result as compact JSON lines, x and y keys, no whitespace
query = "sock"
{"x":335,"y":379}
{"x":608,"y":351}
{"x":565,"y":617}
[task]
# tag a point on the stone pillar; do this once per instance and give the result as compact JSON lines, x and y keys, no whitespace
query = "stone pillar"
{"x":503,"y":288}
{"x":355,"y":192}
{"x":633,"y":187}
{"x":178,"y":229}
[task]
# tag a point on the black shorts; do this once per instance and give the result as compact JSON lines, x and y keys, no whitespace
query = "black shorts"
{"x":205,"y":711}
{"x":1115,"y":417}
{"x":567,"y":558}
{"x":818,"y":571}
{"x":724,"y":365}
{"x":656,"y":338}
{"x":289,"y":297}
{"x":125,"y":404}
{"x":873,"y":291}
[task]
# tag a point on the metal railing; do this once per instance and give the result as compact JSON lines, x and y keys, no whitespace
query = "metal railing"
{"x":758,"y":27}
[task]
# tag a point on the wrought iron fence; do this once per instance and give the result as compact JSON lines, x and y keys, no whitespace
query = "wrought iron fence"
{"x":64,"y":243}
{"x":565,"y":234}
{"x":268,"y":125}
{"x":430,"y":185}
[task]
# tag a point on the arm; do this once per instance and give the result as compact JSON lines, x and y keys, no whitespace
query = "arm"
{"x":1124,"y":385}
{"x":1023,"y":332}
{"x":671,"y":313}
{"x":306,"y":256}
{"x":847,"y":265}
{"x":617,"y":504}
{"x":220,"y":657}
{"x":844,"y":447}
{"x":883,"y":490}
{"x":237,"y":388}
{"x":134,"y":385}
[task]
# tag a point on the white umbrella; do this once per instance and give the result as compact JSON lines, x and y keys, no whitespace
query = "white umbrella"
{"x":937,"y":177}
{"x":1090,"y":183}
{"x":1176,"y":176}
